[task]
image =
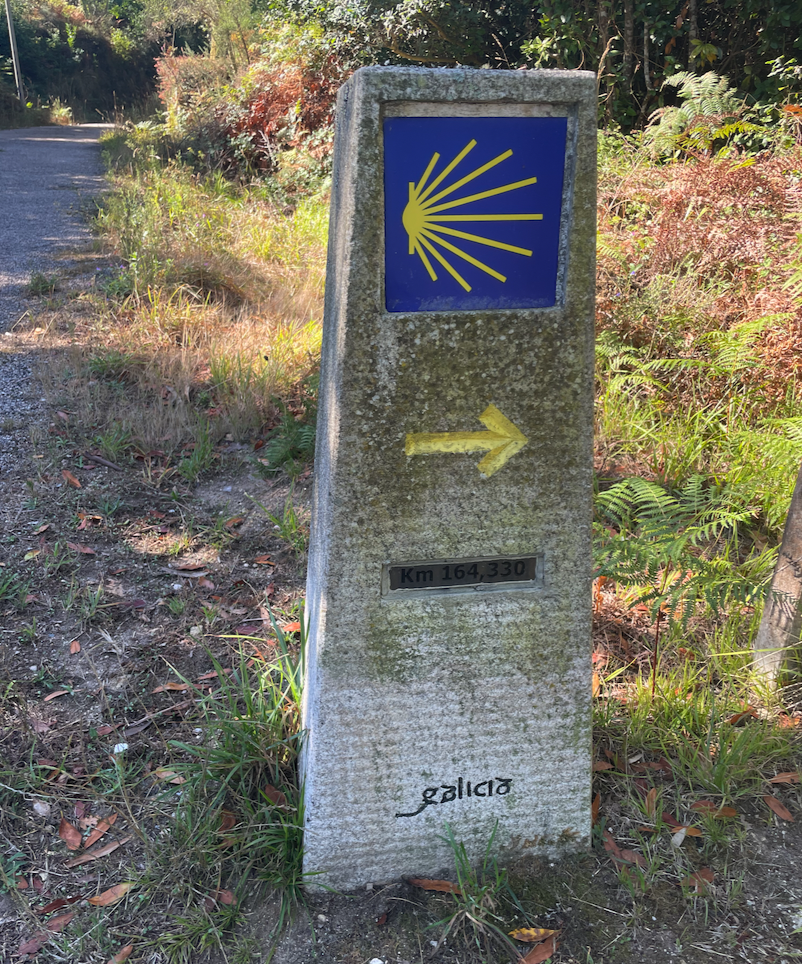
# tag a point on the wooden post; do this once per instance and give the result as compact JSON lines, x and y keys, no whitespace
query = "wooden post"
{"x":781,"y":625}
{"x":12,"y":37}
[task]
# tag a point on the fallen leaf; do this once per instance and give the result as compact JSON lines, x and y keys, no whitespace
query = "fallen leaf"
{"x":205,"y":584}
{"x":172,"y":687}
{"x":225,"y":897}
{"x":291,"y":628}
{"x":263,"y":561}
{"x":670,"y":821}
{"x":712,"y":810}
{"x":542,"y":952}
{"x":34,"y":945}
{"x":79,"y":547}
{"x":699,"y":880}
{"x":651,"y":803}
{"x":75,"y":647}
{"x":103,"y":852}
{"x":213,"y":674}
{"x":21,"y":883}
{"x":633,"y":858}
{"x":746,"y":714}
{"x":227,"y":821}
{"x":780,"y":809}
{"x":70,"y":479}
{"x":231,"y":523}
{"x":679,"y":837}
{"x":531,"y":935}
{"x":54,"y":694}
{"x":59,"y":903}
{"x":57,"y":924}
{"x":63,"y":416}
{"x":600,"y":765}
{"x":106,"y":728}
{"x":169,"y":776}
{"x":610,"y":845}
{"x":791,"y":776}
{"x":444,"y":886}
{"x":31,"y":554}
{"x":596,"y":685}
{"x":594,"y":809}
{"x":102,"y":827}
{"x":275,"y":796}
{"x":122,"y":955}
{"x":112,"y":895}
{"x":381,"y":920}
{"x":41,"y":529}
{"x":69,"y":834}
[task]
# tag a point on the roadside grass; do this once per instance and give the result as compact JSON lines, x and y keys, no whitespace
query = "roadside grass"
{"x":207,"y":327}
{"x":202,"y":336}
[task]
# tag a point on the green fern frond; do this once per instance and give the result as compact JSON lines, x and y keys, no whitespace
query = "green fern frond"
{"x":679,"y":549}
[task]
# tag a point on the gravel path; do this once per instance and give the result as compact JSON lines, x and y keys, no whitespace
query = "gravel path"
{"x":46,"y":173}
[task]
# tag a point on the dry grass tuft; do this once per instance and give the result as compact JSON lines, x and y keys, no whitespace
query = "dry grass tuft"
{"x":209,"y":326}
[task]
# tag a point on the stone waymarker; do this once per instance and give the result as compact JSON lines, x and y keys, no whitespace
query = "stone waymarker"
{"x":449,"y":574}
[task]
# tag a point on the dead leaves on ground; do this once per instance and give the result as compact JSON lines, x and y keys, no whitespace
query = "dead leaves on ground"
{"x":699,"y":881}
{"x":779,"y":808}
{"x":220,"y":896}
{"x":70,"y":479}
{"x":94,"y":855}
{"x":122,"y":955}
{"x":54,"y":926}
{"x":622,"y":858}
{"x":710,"y":809}
{"x":543,"y":951}
{"x":443,"y":886}
{"x":70,"y":835}
{"x":100,"y":829}
{"x":112,"y":895}
{"x":531,"y":935}
{"x":791,"y":776}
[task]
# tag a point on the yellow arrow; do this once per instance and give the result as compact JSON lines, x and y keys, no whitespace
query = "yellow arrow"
{"x":503,"y":440}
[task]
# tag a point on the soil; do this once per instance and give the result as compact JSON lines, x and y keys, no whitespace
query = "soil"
{"x":126,"y":585}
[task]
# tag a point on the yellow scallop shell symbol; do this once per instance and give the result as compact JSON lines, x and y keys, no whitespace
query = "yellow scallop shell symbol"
{"x":424,"y":220}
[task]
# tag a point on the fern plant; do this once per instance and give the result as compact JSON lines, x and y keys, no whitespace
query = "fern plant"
{"x":711,"y":113}
{"x":678,"y":549}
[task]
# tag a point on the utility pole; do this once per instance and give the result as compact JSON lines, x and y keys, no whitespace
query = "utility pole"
{"x":14,"y":53}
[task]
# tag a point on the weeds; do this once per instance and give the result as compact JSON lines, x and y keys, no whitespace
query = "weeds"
{"x":42,"y":284}
{"x":481,"y":894}
{"x":240,"y":800}
{"x":290,"y":526}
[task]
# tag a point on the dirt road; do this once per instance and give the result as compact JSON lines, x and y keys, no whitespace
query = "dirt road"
{"x":47,"y":174}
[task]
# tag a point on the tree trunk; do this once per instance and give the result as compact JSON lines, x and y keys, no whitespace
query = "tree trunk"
{"x":778,"y":637}
{"x":693,"y":30}
{"x":647,"y":76}
{"x":604,"y":26}
{"x":629,"y":40}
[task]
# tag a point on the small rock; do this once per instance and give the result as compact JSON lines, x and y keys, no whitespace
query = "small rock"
{"x":43,"y":809}
{"x":195,"y":631}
